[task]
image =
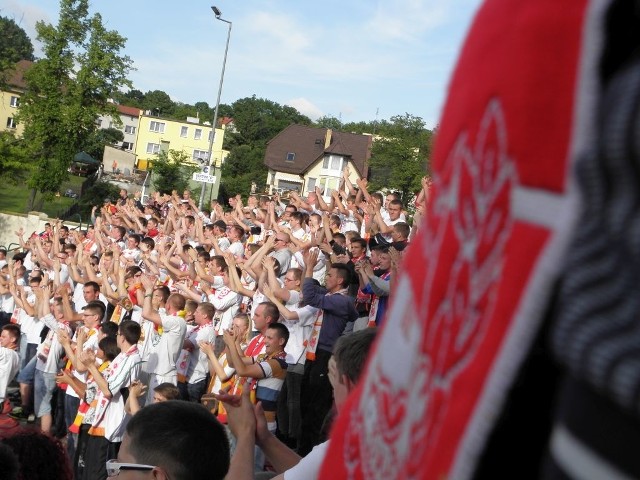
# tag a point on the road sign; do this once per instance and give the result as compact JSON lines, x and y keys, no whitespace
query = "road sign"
{"x":203,"y":177}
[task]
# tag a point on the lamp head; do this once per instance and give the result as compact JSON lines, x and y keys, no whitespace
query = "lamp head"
{"x":216,"y":11}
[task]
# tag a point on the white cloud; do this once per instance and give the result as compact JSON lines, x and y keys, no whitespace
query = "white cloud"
{"x":26,"y":16}
{"x":406,"y":19}
{"x":305,"y":107}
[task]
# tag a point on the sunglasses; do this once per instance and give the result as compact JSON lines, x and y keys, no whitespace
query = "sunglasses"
{"x":114,"y":467}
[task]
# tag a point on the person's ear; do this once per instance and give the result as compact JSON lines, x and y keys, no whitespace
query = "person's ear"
{"x":159,"y":474}
{"x":348,"y":383}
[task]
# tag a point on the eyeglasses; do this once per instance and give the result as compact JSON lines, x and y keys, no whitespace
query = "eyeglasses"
{"x":114,"y":467}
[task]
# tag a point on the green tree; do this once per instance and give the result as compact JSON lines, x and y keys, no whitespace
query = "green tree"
{"x":68,"y":89}
{"x":400,"y":154}
{"x":132,"y":98}
{"x":14,"y":164}
{"x":15,"y":46}
{"x":98,"y":139}
{"x":95,"y":195}
{"x":159,"y":102}
{"x":329,"y":122}
{"x":257,"y":120}
{"x":245,"y":164}
{"x":171,"y":171}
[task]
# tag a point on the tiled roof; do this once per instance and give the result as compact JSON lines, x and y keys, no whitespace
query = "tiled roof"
{"x":16,"y":79}
{"x":308,"y":145}
{"x":131,"y":111}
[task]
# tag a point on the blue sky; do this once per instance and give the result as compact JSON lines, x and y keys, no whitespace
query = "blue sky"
{"x":342,"y":58}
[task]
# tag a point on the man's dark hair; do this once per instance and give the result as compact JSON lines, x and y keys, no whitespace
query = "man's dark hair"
{"x":396,"y":203}
{"x":135,"y":237}
{"x":183,"y":438}
{"x":297,"y":216}
{"x":164,"y":292}
{"x":130,"y":330}
{"x":9,"y":462}
{"x":351,"y":351}
{"x":360,"y":241}
{"x":343,"y":272}
{"x":403,"y":229}
{"x":93,"y":285}
{"x":149,"y":242}
{"x":110,"y":329}
{"x":283,"y":332}
{"x":14,"y":331}
{"x":109,"y":346}
{"x":168,"y":391}
{"x":270,"y":310}
{"x":95,"y":307}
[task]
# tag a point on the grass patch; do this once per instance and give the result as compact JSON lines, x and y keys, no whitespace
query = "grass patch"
{"x":15,"y":198}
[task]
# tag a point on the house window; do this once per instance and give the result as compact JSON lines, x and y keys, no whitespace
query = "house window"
{"x":291,"y":157}
{"x":98,"y":123}
{"x":329,"y":184}
{"x":130,"y":129}
{"x":157,"y":127}
{"x":11,"y":122}
{"x":15,"y":102}
{"x":285,"y":185}
{"x":210,"y":135}
{"x":110,"y":124}
{"x":200,"y":154}
{"x":332,"y":162}
{"x":311,"y":184}
{"x":127,"y":145}
{"x":184,"y":131}
{"x":198,"y":134}
{"x":153,"y":148}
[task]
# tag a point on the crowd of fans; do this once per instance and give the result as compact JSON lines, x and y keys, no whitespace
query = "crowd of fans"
{"x":164,"y":301}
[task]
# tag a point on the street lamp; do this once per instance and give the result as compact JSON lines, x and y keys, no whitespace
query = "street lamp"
{"x":218,"y":14}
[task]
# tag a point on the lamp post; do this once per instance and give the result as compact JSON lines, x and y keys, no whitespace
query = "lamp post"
{"x":216,"y":185}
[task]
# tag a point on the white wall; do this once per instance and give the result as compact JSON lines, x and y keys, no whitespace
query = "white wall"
{"x":31,"y":222}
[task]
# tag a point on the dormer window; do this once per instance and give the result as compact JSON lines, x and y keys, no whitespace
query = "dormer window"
{"x":291,"y":157}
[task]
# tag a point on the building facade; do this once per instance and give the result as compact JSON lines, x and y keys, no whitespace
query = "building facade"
{"x":156,"y":134}
{"x":10,"y":98}
{"x":128,"y":125}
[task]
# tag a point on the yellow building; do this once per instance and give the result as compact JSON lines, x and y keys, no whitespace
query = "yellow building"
{"x":156,"y":134}
{"x":10,"y":98}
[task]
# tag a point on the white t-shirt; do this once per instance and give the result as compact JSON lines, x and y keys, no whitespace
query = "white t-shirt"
{"x":299,"y":331}
{"x":237,"y":248}
{"x":319,"y":269}
{"x":50,"y":351}
{"x":308,"y":467}
{"x":164,"y":355}
{"x":223,"y":243}
{"x":7,"y":303}
{"x":198,"y":361}
{"x":111,"y":415}
{"x":91,"y":343}
{"x":226,"y":303}
{"x":9,"y":365}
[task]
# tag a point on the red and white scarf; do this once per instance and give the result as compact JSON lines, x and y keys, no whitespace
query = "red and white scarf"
{"x":479,"y":275}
